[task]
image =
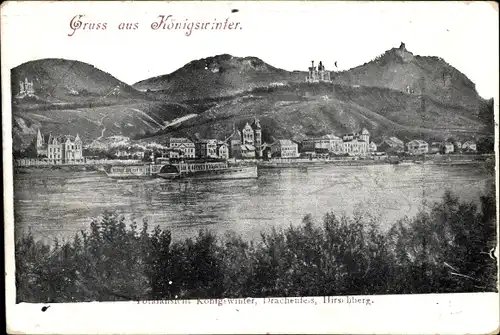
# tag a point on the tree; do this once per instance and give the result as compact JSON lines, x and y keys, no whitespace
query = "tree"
{"x":486,"y":145}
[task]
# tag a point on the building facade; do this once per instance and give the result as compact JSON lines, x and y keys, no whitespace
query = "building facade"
{"x":64,"y":149}
{"x":247,"y":143}
{"x":469,"y":146}
{"x":448,"y":148}
{"x":206,"y":148}
{"x":185,"y":145}
{"x":435,"y":148}
{"x":350,"y":143}
{"x":222,"y":150}
{"x":330,"y":142}
{"x":284,"y":149}
{"x":392,"y":145}
{"x":417,"y":147}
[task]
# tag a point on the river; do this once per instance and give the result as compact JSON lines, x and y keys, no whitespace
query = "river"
{"x":55,"y":203}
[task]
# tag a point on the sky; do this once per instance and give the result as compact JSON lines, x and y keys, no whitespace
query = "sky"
{"x":287,"y":36}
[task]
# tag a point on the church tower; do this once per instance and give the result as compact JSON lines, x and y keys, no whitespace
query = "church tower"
{"x":257,"y":129}
{"x":39,"y":139}
{"x":365,"y":135}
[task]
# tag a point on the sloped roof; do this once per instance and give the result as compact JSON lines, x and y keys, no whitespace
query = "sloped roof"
{"x":395,"y":140}
{"x":207,"y":140}
{"x":236,"y":135}
{"x":418,"y":141}
{"x":285,"y":142}
{"x":178,"y":139}
{"x":247,"y":147}
{"x":256,"y":124}
{"x":331,"y":137}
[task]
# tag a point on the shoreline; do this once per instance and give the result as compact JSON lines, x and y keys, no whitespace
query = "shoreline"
{"x":267,"y":164}
{"x":291,"y":164}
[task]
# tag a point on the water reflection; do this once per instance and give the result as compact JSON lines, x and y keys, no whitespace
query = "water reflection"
{"x":62,"y":203}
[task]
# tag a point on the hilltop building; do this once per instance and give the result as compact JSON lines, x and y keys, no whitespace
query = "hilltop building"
{"x":317,"y":74}
{"x":64,"y":149}
{"x":26,"y":88}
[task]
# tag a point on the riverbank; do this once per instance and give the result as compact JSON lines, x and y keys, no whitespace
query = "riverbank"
{"x":362,"y":162}
{"x":432,"y":252}
{"x":64,"y":168}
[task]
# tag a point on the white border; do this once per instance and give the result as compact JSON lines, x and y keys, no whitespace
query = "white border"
{"x":412,"y":314}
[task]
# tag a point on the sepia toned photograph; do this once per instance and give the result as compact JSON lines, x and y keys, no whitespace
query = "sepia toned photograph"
{"x":197,"y":155}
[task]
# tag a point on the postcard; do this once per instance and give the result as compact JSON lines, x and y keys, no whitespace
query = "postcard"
{"x":250,"y":167}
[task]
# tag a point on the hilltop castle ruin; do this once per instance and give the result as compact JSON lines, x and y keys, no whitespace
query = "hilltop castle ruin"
{"x":26,"y":88}
{"x":317,"y":74}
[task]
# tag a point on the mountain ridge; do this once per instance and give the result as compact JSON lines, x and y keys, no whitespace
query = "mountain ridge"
{"x":211,"y":94}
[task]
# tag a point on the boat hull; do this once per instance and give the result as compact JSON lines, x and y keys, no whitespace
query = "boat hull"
{"x":221,"y":174}
{"x":131,"y":171}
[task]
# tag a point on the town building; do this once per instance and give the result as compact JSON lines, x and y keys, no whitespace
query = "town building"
{"x":247,"y":151}
{"x":469,"y":146}
{"x":356,"y":143}
{"x":185,"y":145}
{"x":172,"y":153}
{"x":266,"y":151}
{"x":26,"y":88}
{"x":372,"y":147}
{"x":248,"y":142}
{"x":64,"y":149}
{"x":330,"y":142}
{"x":222,"y":150}
{"x":435,"y":148}
{"x":417,"y":147}
{"x":355,"y":147}
{"x":391,"y":145}
{"x":317,"y":74}
{"x":284,"y":149}
{"x":447,"y":147}
{"x":206,"y":148}
{"x":234,"y":144}
{"x":129,"y":153}
{"x":350,"y":143}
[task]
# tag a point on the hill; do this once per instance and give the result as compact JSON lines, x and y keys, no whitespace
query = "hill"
{"x":71,"y":97}
{"x":398,"y":93}
{"x":218,"y":76}
{"x":399,"y":69}
{"x":63,"y":82}
{"x":299,"y":110}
